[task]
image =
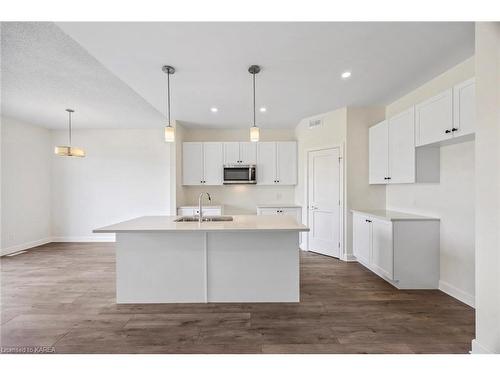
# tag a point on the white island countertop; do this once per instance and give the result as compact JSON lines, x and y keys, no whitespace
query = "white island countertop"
{"x":393,"y":215}
{"x":239,"y":223}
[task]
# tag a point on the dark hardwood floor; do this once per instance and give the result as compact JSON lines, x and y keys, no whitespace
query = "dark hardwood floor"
{"x":62,"y":295}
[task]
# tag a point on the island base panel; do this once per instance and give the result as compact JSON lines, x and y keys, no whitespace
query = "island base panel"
{"x":186,"y":267}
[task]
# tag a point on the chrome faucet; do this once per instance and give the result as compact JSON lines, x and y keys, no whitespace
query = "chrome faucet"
{"x":200,"y":215}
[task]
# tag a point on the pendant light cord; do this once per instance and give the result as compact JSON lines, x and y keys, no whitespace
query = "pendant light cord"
{"x":168,"y":98}
{"x":69,"y":113}
{"x":253,"y":74}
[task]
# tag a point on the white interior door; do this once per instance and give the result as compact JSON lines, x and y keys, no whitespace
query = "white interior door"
{"x":324,"y":201}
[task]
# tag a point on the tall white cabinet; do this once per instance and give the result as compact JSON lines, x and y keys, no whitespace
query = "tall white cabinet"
{"x":277,"y":163}
{"x":202,"y":163}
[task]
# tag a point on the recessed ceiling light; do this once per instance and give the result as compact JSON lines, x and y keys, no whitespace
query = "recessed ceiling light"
{"x":263,"y":109}
{"x":346,"y":74}
{"x":214,"y":109}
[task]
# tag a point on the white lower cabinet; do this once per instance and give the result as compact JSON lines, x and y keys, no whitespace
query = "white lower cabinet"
{"x":401,"y":248}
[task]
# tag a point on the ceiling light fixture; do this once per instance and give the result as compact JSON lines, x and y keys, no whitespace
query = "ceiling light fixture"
{"x":214,"y":109}
{"x":263,"y":109}
{"x":346,"y":74}
{"x":254,"y":130}
{"x":69,"y":150}
{"x":169,"y":130}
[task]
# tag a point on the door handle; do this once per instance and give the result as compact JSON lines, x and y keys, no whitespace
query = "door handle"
{"x":454,"y":129}
{"x":447,"y":131}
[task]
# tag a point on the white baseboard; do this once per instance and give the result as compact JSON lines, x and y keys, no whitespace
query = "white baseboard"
{"x":477,"y":348}
{"x":24,"y":246}
{"x":348,"y":258}
{"x":100,"y":238}
{"x":457,"y":293}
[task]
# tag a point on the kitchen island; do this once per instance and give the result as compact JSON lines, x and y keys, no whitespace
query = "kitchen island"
{"x":249,"y":259}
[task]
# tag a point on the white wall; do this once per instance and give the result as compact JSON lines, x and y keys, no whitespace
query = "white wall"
{"x":452,"y":199}
{"x":487,"y":189}
{"x":125,"y":174}
{"x":25,"y":180}
{"x":359,"y":193}
{"x":237,"y":200}
{"x":331,"y":133}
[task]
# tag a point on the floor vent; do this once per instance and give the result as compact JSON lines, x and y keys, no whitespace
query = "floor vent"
{"x":18,"y":253}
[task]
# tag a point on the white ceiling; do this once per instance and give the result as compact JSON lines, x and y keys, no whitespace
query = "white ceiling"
{"x":302,"y":63}
{"x":45,"y":71}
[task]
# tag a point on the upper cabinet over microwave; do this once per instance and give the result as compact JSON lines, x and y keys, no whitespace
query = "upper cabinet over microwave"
{"x":450,"y":114}
{"x":240,"y":153}
{"x":213,"y":163}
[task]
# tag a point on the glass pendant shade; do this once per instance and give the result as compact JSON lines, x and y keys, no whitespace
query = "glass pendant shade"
{"x":69,"y":151}
{"x":169,"y":134}
{"x":254,"y":134}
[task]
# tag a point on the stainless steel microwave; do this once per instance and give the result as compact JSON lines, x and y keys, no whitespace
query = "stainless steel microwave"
{"x":239,"y":174}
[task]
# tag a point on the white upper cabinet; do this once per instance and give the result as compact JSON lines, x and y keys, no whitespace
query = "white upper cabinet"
{"x":434,"y":118}
{"x":202,"y":163}
{"x":464,"y":108}
{"x":192,"y":163}
{"x":231,"y":152}
{"x":393,"y":158}
{"x":286,"y":163}
{"x":402,"y":147}
{"x":248,"y":152}
{"x":266,"y":163}
{"x":240,"y":153}
{"x":447,"y":116}
{"x":212,"y":163}
{"x":277,"y":163}
{"x":378,"y":153}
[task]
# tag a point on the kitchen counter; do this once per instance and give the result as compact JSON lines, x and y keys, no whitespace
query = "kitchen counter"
{"x":393,"y":215}
{"x":239,"y":223}
{"x":250,"y":259}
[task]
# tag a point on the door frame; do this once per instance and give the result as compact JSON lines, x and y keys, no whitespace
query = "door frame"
{"x":340,"y":148}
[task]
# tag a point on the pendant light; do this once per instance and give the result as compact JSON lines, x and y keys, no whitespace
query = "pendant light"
{"x":169,"y":130}
{"x":69,"y":150}
{"x":254,"y":130}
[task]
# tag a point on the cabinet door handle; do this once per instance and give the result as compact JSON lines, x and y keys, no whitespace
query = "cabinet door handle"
{"x":447,"y":131}
{"x":368,"y":221}
{"x":388,"y":178}
{"x":454,"y":129}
